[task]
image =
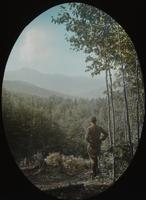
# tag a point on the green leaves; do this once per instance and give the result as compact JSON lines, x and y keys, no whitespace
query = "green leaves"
{"x":95,"y":32}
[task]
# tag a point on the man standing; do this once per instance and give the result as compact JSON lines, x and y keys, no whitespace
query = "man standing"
{"x":95,"y":135}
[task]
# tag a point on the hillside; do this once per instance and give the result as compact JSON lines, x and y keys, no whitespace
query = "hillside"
{"x":30,"y":89}
{"x":80,"y":86}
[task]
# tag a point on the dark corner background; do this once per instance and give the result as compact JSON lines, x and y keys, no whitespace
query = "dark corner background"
{"x":15,"y":15}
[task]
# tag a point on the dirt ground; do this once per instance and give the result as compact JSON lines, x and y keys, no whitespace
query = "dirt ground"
{"x":62,"y":186}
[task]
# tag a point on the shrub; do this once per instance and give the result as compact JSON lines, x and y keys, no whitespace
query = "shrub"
{"x":53,"y":159}
{"x":70,"y":164}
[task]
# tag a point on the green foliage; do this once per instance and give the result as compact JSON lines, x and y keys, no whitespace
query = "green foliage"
{"x":28,"y":128}
{"x":104,"y":41}
{"x":35,"y":124}
{"x":97,"y":34}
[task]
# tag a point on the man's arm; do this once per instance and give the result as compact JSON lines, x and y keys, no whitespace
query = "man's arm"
{"x":87,"y":138}
{"x":105,"y":134}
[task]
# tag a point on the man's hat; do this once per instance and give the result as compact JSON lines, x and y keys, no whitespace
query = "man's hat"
{"x":93,"y":119}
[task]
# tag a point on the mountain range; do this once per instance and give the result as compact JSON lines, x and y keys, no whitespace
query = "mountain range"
{"x":43,"y":84}
{"x":25,"y":88}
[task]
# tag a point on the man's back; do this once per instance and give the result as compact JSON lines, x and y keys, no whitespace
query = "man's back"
{"x":93,"y":135}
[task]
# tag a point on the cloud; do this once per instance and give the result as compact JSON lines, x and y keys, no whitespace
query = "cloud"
{"x":36,"y":46}
{"x":43,"y":47}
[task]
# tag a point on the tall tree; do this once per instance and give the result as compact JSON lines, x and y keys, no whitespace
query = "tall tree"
{"x":95,"y":32}
{"x":109,"y":110}
{"x":138,"y":98}
{"x":127,"y":112}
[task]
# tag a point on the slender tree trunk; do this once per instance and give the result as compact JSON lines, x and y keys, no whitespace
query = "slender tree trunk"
{"x":112,"y":103}
{"x":113,"y":118}
{"x":109,"y":111}
{"x":137,"y":106}
{"x":127,"y":110}
{"x":125,"y":127}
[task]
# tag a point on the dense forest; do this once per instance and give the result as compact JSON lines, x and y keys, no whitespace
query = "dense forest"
{"x":56,"y":126}
{"x":53,"y":124}
{"x":34,"y":124}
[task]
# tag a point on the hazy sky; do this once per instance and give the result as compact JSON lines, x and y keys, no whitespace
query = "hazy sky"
{"x":42,"y":46}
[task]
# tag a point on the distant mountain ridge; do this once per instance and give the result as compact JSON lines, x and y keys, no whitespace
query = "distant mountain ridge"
{"x":29,"y":89}
{"x":70,"y":85}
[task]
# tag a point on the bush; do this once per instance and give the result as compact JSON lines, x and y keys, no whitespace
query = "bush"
{"x":53,"y":159}
{"x":69,"y":164}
